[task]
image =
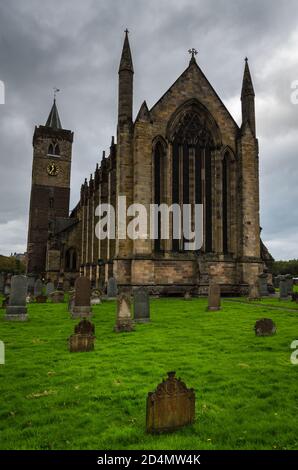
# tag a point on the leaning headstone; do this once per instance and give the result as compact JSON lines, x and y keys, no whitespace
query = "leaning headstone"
{"x":283,"y":289}
{"x":263,"y":285}
{"x":254,"y":291}
{"x":265,"y":327}
{"x":17,"y":307}
{"x":141,"y":304}
{"x":123,"y":321}
{"x":83,"y":338}
{"x":170,"y":407}
{"x":50,"y":288}
{"x":82,"y":305}
{"x":214,"y":297}
{"x":57,"y":297}
{"x":112,"y":289}
{"x":38,"y":287}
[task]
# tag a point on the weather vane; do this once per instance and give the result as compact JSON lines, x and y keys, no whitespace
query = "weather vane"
{"x":56,"y":90}
{"x":193,"y":52}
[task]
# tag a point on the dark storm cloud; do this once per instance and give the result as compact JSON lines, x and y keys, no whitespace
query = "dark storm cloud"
{"x":76,"y":46}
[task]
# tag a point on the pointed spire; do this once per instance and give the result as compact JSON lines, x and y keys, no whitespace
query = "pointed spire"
{"x":126,"y":59}
{"x":248,"y":100}
{"x":247,"y":85}
{"x":54,"y":119}
{"x":144,"y":113}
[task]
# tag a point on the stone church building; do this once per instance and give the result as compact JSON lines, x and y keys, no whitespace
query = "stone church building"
{"x":186,"y":149}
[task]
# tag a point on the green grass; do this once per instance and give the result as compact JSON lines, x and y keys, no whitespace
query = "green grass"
{"x":271,"y":302}
{"x":246,"y":387}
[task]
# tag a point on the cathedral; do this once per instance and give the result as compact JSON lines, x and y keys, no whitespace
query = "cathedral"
{"x":186,"y":149}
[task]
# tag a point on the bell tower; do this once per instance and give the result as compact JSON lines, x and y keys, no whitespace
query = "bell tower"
{"x":50,"y":187}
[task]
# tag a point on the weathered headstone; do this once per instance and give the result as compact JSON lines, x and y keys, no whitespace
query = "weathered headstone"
{"x":290,"y":283}
{"x":187,"y":295}
{"x":123,"y":321}
{"x":71,"y":300}
{"x":82,"y":305}
{"x":17,"y":308}
{"x":41,"y":299}
{"x":265,"y":327}
{"x":50,"y":288}
{"x":7,"y":287}
{"x":112,"y":289}
{"x":254,"y":291}
{"x":263,"y":285}
{"x":2,"y":283}
{"x":141,"y":304}
{"x":38,"y":287}
{"x":283,"y":289}
{"x":57,"y":297}
{"x":213,"y":297}
{"x":66,"y":285}
{"x":170,"y":407}
{"x":31,"y":283}
{"x":83,"y":338}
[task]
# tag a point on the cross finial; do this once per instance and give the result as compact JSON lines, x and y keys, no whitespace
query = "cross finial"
{"x":56,"y":90}
{"x":193,"y":52}
{"x":246,"y":59}
{"x":126,"y":31}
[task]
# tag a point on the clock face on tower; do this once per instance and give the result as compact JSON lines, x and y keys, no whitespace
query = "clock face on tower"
{"x":52,"y":169}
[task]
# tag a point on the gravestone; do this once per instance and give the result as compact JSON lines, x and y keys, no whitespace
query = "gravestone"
{"x":41,"y":299}
{"x":170,"y":407}
{"x":2,"y":283}
{"x":66,"y":285}
{"x":95,"y":298}
{"x":265,"y":327}
{"x":283,"y":289}
{"x":263,"y":285}
{"x":83,"y":338}
{"x":31,"y":283}
{"x":295,"y":297}
{"x":112,"y":289}
{"x":82,"y":306}
{"x":71,"y":300}
{"x":7,"y":287}
{"x":254,"y":291}
{"x":38,"y":287}
{"x":187,"y":295}
{"x":290,"y":283}
{"x":123,"y":321}
{"x":141,"y":304}
{"x":57,"y":297}
{"x":213,"y":297}
{"x":50,"y":288}
{"x":17,"y":307}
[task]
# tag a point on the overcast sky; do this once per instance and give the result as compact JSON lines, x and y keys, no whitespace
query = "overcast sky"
{"x":76,"y":45}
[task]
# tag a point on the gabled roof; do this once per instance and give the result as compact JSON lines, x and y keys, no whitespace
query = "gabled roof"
{"x":193,"y":64}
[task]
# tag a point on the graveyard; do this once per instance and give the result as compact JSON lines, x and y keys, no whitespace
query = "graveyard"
{"x":245,"y":385}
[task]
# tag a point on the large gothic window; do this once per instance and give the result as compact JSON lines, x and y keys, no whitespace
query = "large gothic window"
{"x":192,"y":170}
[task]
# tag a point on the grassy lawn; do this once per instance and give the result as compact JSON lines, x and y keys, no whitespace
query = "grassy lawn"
{"x":272,"y":302}
{"x":246,"y":387}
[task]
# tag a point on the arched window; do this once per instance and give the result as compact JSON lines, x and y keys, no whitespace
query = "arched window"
{"x":225,"y":203}
{"x":57,"y":150}
{"x":51,"y":150}
{"x":70,"y":260}
{"x":158,"y":188}
{"x":192,"y":171}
